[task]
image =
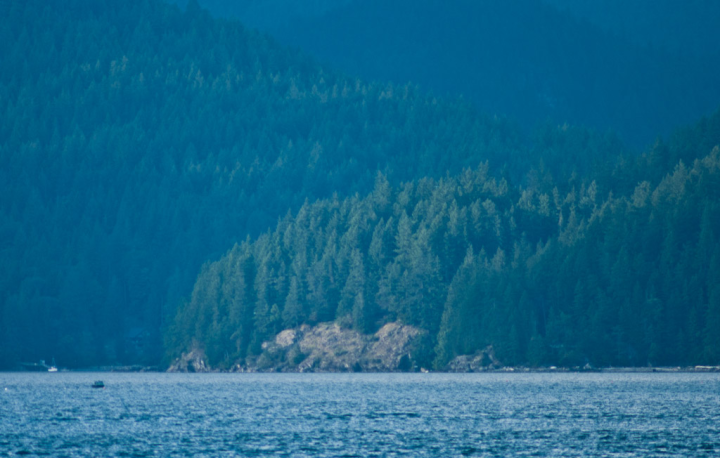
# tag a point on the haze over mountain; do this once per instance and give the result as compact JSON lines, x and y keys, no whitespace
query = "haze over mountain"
{"x":683,"y":27}
{"x":174,"y":182}
{"x":530,"y":60}
{"x":268,"y":15}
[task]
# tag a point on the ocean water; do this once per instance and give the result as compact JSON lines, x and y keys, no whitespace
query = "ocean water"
{"x":343,"y":415}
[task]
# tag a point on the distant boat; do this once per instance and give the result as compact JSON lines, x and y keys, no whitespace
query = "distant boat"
{"x":98,"y":384}
{"x":52,"y":368}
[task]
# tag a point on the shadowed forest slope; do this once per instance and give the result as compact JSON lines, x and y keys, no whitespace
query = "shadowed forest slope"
{"x":605,"y":274}
{"x":683,"y":27}
{"x":139,"y":141}
{"x":638,"y":67}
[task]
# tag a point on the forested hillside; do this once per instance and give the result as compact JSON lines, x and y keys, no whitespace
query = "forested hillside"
{"x":139,"y":141}
{"x":531,"y":60}
{"x":581,"y":276}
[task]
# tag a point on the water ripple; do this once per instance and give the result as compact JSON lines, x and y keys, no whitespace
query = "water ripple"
{"x":323,"y":415}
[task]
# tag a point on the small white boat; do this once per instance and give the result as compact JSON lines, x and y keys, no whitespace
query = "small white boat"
{"x":52,"y":368}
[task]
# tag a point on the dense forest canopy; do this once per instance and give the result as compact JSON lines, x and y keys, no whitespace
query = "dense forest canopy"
{"x":593,"y":275}
{"x":140,"y":141}
{"x":638,"y":67}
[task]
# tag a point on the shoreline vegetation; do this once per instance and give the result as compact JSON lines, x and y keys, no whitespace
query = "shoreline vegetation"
{"x":507,"y":369}
{"x":396,"y":347}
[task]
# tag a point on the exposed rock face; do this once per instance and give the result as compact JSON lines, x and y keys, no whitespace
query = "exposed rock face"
{"x":326,"y":347}
{"x":329,"y":348}
{"x":192,"y":361}
{"x":285,"y":338}
{"x":481,"y":361}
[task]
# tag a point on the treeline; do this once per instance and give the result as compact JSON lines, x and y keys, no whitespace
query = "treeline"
{"x":546,"y":277}
{"x":634,"y":283}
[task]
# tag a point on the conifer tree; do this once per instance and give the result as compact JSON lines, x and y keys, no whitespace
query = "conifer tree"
{"x":293,"y":314}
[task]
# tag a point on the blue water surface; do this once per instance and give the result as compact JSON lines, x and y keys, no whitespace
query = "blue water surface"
{"x":344,"y":415}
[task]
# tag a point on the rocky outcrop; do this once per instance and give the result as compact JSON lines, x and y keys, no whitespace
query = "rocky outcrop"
{"x":483,"y":360}
{"x":192,"y":361}
{"x":392,"y":348}
{"x":328,"y":347}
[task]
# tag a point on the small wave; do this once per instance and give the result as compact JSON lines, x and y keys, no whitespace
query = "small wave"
{"x":374,"y":415}
{"x":341,"y":416}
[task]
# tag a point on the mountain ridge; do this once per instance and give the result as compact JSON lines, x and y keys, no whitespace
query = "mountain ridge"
{"x":530,"y":60}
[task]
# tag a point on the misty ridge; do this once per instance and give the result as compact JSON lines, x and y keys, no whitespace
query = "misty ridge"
{"x":639,"y":68}
{"x":529,"y":183}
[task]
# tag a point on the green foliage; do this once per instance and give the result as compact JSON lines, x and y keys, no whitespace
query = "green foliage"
{"x":138,"y":142}
{"x":611,"y":285}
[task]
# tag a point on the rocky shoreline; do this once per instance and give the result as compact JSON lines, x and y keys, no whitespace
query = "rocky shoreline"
{"x":195,"y":361}
{"x":327,"y":347}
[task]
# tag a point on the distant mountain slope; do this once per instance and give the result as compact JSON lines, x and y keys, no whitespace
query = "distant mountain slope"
{"x":680,"y":26}
{"x":545,"y":278}
{"x":138,"y":141}
{"x":520,"y":58}
{"x":267,"y":15}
